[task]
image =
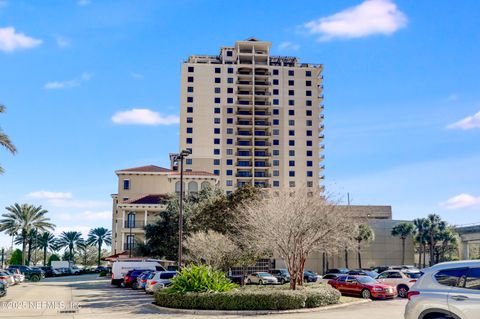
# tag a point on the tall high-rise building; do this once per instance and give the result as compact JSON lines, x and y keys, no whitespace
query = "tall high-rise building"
{"x":253,"y":118}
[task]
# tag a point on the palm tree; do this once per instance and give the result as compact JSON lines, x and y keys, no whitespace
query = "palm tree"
{"x":403,"y":230}
{"x":25,"y":218}
{"x":99,"y":236}
{"x":421,"y":226}
{"x":364,"y":234}
{"x":70,"y":239}
{"x":83,"y":247}
{"x":45,"y":242}
{"x":5,"y":140}
{"x":435,"y":226}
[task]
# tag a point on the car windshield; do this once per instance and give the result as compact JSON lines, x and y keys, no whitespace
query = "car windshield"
{"x":167,"y":275}
{"x":366,"y":280}
{"x":264,"y":274}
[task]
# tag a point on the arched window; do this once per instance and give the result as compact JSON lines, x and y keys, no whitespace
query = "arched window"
{"x":130,"y":222}
{"x":177,"y":187}
{"x":192,"y":187}
{"x":205,"y":185}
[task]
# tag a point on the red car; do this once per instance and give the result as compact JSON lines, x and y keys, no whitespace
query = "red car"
{"x":364,"y":286}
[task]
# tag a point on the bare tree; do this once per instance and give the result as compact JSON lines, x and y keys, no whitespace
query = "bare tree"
{"x":211,"y":248}
{"x":293,"y":224}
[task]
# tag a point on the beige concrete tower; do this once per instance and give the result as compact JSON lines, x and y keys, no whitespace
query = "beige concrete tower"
{"x":250,"y":117}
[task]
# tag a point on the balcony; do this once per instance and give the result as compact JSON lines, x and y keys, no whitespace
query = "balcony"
{"x":241,"y":184}
{"x":262,"y":123}
{"x":262,"y":103}
{"x":321,"y":146}
{"x":262,"y":184}
{"x":244,"y":123}
{"x":244,"y":133}
{"x":244,"y":174}
{"x":244,"y":153}
{"x":262,"y":143}
{"x":243,"y":164}
{"x":244,"y":102}
{"x":244,"y":92}
{"x":244,"y":72}
{"x":133,"y":224}
{"x":261,"y":175}
{"x":321,"y":128}
{"x":262,"y":93}
{"x":262,"y":83}
{"x":244,"y":113}
{"x":244,"y":143}
{"x":322,"y":167}
{"x":262,"y":113}
{"x":262,"y":133}
{"x":261,"y":154}
{"x":321,"y":136}
{"x":243,"y":82}
{"x":262,"y":164}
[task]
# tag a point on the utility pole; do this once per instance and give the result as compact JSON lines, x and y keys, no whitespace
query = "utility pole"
{"x":180,"y":157}
{"x":3,"y":257}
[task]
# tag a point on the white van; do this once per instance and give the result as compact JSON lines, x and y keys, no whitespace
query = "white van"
{"x":120,"y":268}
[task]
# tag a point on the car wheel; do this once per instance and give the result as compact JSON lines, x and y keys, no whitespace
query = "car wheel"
{"x":366,"y":294}
{"x":134,"y":286}
{"x":260,"y":282}
{"x":282,"y":281}
{"x":402,"y":291}
{"x":35,"y":278}
{"x":249,"y":281}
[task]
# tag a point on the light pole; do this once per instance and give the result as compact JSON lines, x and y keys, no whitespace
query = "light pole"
{"x":180,"y":157}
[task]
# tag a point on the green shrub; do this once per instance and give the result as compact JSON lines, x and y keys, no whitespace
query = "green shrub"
{"x":320,"y":297}
{"x":199,"y":279}
{"x":233,"y":300}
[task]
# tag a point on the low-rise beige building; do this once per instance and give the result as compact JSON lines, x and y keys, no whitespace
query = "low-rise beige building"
{"x":142,"y":193}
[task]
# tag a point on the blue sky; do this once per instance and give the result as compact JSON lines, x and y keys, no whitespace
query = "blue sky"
{"x":401,"y":95}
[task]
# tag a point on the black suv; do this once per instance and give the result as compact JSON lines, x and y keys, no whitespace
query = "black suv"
{"x":282,"y":275}
{"x":32,"y":274}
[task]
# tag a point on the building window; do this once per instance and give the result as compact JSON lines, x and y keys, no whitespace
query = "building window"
{"x":291,"y":102}
{"x":276,"y":132}
{"x":291,"y":92}
{"x":291,"y":173}
{"x":276,"y":183}
{"x":216,"y":171}
{"x":218,"y":80}
{"x":276,"y":122}
{"x":291,"y":133}
{"x":275,"y":72}
{"x":291,"y":112}
{"x":188,"y":161}
{"x":291,"y":153}
{"x":189,"y":140}
{"x":309,"y":143}
{"x":276,"y":152}
{"x":291,"y":163}
{"x":229,"y":120}
{"x":216,"y":130}
{"x":308,"y":93}
{"x":308,"y":83}
{"x":308,"y":112}
{"x":276,"y":142}
{"x":309,"y":184}
{"x":309,"y":133}
{"x":189,"y":129}
{"x":126,"y":184}
{"x":229,"y":182}
{"x":309,"y":163}
{"x":276,"y":112}
{"x":217,"y":100}
{"x":189,"y":119}
{"x":230,"y":80}
{"x":275,"y":102}
{"x":275,"y":82}
{"x":230,"y":70}
{"x":309,"y":173}
{"x":309,"y":102}
{"x":229,"y":141}
{"x":291,"y":183}
{"x":291,"y":82}
{"x":216,"y":120}
{"x":229,"y":151}
{"x":190,"y":89}
{"x":190,"y":99}
{"x":291,"y":122}
{"x":217,"y":110}
{"x":308,"y":73}
{"x":190,"y":69}
{"x":230,"y":110}
{"x":275,"y":91}
{"x":276,"y":162}
{"x":308,"y":122}
{"x":230,"y":53}
{"x":189,"y":109}
{"x":230,"y":90}
{"x":218,"y":70}
{"x":216,"y":141}
{"x":229,"y":162}
{"x":218,"y":90}
{"x":229,"y":100}
{"x":229,"y":130}
{"x":216,"y":151}
{"x":291,"y":73}
{"x":291,"y":143}
{"x":190,"y":79}
{"x":216,"y":162}
{"x":276,"y":173}
{"x":309,"y":153}
{"x":229,"y":172}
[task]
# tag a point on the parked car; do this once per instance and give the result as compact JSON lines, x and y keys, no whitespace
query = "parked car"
{"x":410,"y":268}
{"x":363,"y":286}
{"x":102,"y":268}
{"x":160,"y":280}
{"x":3,"y":288}
{"x":131,"y":277}
{"x":342,"y":271}
{"x":120,"y":268}
{"x":47,"y":270}
{"x":446,"y":290}
{"x":363,"y":272}
{"x":237,"y":279}
{"x":31,"y":274}
{"x":261,"y":278}
{"x":17,"y":275}
{"x":7,"y":277}
{"x":75,"y":270}
{"x":328,"y":277}
{"x":310,"y":276}
{"x":380,"y":269}
{"x":142,"y":279}
{"x":403,"y":281}
{"x":282,"y":275}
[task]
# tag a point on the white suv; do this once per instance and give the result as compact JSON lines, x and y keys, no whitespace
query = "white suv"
{"x":402,"y":280}
{"x":446,"y":290}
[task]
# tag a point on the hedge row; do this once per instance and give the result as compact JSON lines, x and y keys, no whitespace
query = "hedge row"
{"x":242,"y":299}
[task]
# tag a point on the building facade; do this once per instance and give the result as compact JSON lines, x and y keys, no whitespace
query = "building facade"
{"x":141,"y":197}
{"x":253,"y":118}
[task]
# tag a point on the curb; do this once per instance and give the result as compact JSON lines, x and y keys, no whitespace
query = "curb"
{"x":253,"y":312}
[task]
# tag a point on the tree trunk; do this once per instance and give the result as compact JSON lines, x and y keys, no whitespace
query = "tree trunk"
{"x":420,"y":255}
{"x":431,"y":250}
{"x":99,"y":253}
{"x":424,"y":254}
{"x":45,"y":255}
{"x":346,"y":258}
{"x":359,"y":256}
{"x":24,"y":247}
{"x":29,"y":258}
{"x":403,"y":251}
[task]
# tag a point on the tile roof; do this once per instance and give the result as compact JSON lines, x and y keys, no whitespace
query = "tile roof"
{"x":150,"y":199}
{"x":148,"y":168}
{"x":197,"y":173}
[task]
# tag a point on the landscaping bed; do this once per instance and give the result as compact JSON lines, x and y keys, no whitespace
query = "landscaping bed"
{"x":252,"y":298}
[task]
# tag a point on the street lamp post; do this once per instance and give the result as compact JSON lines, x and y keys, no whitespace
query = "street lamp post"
{"x":180,"y":157}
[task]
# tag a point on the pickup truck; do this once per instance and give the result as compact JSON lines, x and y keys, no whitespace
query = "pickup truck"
{"x":32,"y":274}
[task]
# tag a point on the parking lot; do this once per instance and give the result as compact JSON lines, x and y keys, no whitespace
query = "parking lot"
{"x":90,"y":297}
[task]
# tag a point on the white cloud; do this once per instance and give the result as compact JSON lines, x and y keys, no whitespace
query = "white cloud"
{"x":83,"y":2}
{"x":55,"y":85}
{"x":285,"y":45}
{"x":62,"y":42}
{"x":10,"y":40}
{"x":50,"y":195}
{"x":468,"y":123}
{"x":368,"y":18}
{"x":100,"y":215}
{"x":144,"y":117}
{"x":461,"y":201}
